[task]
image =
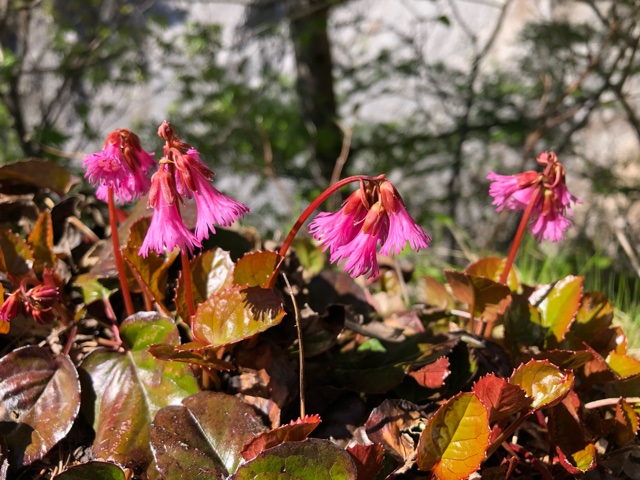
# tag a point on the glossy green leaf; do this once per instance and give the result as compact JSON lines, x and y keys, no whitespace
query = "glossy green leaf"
{"x":236,"y":313}
{"x":18,"y":257}
{"x":501,"y":398}
{"x":39,"y":173}
{"x":312,"y":459}
{"x":203,"y":436}
{"x":92,"y":289}
{"x":489,"y":298}
{"x":455,"y":438}
{"x":210,"y":272}
{"x":131,"y":386}
{"x":624,"y":366}
{"x":559,"y":307}
{"x":41,"y":242}
{"x":255,"y":268}
{"x":33,"y":384}
{"x":492,"y":268}
{"x":544,"y":383}
{"x":93,"y":471}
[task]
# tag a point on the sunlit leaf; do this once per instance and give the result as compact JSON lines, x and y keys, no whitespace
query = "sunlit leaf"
{"x":501,"y":398}
{"x":544,"y":383}
{"x":93,"y":471}
{"x":210,"y":272}
{"x":18,"y":258}
{"x":559,"y":308}
{"x":312,"y":459}
{"x":41,"y":242}
{"x":433,"y":374}
{"x":33,"y":384}
{"x":131,"y":386}
{"x":492,"y":268}
{"x":594,"y":315}
{"x":624,"y":366}
{"x":39,"y":173}
{"x":489,"y":298}
{"x":626,"y":423}
{"x":203,"y":436}
{"x":236,"y":313}
{"x":455,"y":438}
{"x":296,"y":431}
{"x":255,"y":268}
{"x":92,"y":289}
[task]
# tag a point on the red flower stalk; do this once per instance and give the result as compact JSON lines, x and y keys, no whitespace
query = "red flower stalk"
{"x":373,"y":216}
{"x":121,"y":165}
{"x":548,"y":192}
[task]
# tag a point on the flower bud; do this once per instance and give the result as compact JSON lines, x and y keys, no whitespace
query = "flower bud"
{"x":43,"y":296}
{"x":12,"y":307}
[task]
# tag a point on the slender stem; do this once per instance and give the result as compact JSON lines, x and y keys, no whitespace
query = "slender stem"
{"x":309,"y":210}
{"x":605,"y":402}
{"x":300,"y":346}
{"x":70,"y":340}
{"x":506,"y":433}
{"x":519,"y":234}
{"x":117,"y":254}
{"x":186,"y":274}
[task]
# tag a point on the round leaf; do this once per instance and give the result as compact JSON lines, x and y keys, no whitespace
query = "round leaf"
{"x":94,"y":471}
{"x":131,"y":386}
{"x":237,"y":313}
{"x":543,"y":382}
{"x":254,"y":269}
{"x":33,"y":384}
{"x":204,"y":435}
{"x":312,"y":459}
{"x":455,"y":439}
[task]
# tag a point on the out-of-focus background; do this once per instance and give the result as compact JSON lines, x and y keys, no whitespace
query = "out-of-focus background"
{"x":275,"y":93}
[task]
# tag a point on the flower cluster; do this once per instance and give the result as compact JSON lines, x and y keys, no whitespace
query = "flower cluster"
{"x":372,"y":216}
{"x":183,"y":175}
{"x":38,"y":301}
{"x":548,"y":192}
{"x":121,"y":165}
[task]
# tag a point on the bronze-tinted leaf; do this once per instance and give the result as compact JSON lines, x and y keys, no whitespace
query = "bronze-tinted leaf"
{"x":544,"y":383}
{"x":577,"y":454}
{"x":455,"y":439}
{"x":368,"y":460}
{"x":437,"y":294}
{"x":41,"y":242}
{"x":296,"y":431}
{"x":433,"y":374}
{"x":197,"y":355}
{"x":489,"y":298}
{"x":236,"y":313}
{"x":626,"y":423}
{"x":312,"y":459}
{"x":33,"y":384}
{"x":492,"y":268}
{"x":255,"y":268}
{"x":18,"y":258}
{"x":131,"y":386}
{"x":501,"y":398}
{"x":624,"y":366}
{"x":39,"y":173}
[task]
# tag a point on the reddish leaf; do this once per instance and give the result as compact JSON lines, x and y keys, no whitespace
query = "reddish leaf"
{"x":210,"y":272}
{"x":490,"y":299}
{"x":39,"y":173}
{"x":203,"y":436}
{"x":236,"y":313}
{"x":501,"y":398}
{"x":18,"y":258}
{"x":433,"y":374}
{"x":455,"y":439}
{"x":33,"y":384}
{"x":492,"y":268}
{"x":197,"y":355}
{"x":41,"y":242}
{"x":559,"y":307}
{"x":390,"y":424}
{"x":623,"y":366}
{"x":577,"y":454}
{"x":296,"y":431}
{"x":626,"y":426}
{"x":312,"y":459}
{"x":131,"y":386}
{"x":368,"y":460}
{"x":255,"y":268}
{"x":544,"y":383}
{"x":437,"y":294}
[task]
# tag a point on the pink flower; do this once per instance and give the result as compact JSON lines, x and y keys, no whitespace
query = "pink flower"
{"x":552,"y":200}
{"x":121,"y":165}
{"x":193,"y":179}
{"x":167,"y":229}
{"x":371,"y":217}
{"x":11,"y":307}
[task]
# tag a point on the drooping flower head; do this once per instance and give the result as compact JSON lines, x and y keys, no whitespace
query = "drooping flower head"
{"x":372,"y":219}
{"x":552,"y":199}
{"x":121,"y":165}
{"x":184,"y":175}
{"x":34,"y":298}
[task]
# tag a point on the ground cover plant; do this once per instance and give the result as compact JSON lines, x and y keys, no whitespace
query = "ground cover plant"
{"x":248,"y":359}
